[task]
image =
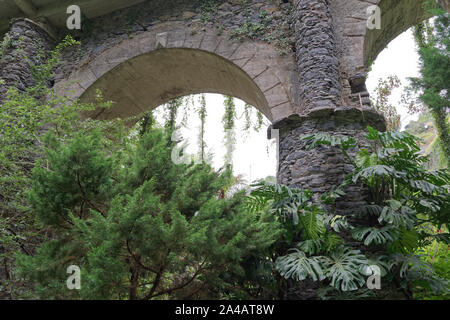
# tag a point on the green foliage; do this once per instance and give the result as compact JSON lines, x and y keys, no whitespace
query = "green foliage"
{"x":319,"y":254}
{"x":5,"y":45}
{"x":383,"y":92}
{"x":260,"y":26}
{"x":372,"y":235}
{"x":139,"y":226}
{"x":425,"y":129}
{"x":298,"y":266}
{"x":172,"y":109}
{"x":228,"y":121}
{"x":24,"y":117}
{"x":344,"y":266}
{"x":201,"y":137}
{"x":433,"y":86}
{"x":405,"y":199}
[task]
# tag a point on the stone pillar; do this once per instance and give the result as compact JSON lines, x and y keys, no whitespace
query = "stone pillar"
{"x":316,"y":53}
{"x":321,"y":168}
{"x":321,"y":109}
{"x":24,"y":45}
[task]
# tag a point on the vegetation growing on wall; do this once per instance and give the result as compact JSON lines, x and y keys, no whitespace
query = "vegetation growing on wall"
{"x":406,"y":205}
{"x":109,"y":199}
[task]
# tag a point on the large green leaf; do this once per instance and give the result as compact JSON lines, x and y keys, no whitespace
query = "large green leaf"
{"x":378,"y":171}
{"x":312,"y":222}
{"x":298,"y":266}
{"x":401,"y":217}
{"x":343,"y":268}
{"x":377,"y":236}
{"x":335,"y":141}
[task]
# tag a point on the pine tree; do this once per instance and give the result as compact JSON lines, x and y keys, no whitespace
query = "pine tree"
{"x":137,"y":225}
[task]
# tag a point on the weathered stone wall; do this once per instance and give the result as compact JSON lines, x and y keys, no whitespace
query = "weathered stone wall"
{"x":318,"y":65}
{"x":302,"y":63}
{"x":255,"y":37}
{"x":329,"y":41}
{"x":324,"y":167}
{"x":341,"y":33}
{"x":358,"y":46}
{"x":24,"y":46}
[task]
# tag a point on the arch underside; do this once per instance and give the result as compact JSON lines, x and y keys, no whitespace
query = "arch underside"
{"x":150,"y":80}
{"x":397,"y":16}
{"x":156,"y":66}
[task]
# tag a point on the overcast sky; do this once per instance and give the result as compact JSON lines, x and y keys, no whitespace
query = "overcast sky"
{"x":255,"y":157}
{"x":400,"y":58}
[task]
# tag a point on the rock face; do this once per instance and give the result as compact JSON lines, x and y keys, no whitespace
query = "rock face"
{"x":302,"y":63}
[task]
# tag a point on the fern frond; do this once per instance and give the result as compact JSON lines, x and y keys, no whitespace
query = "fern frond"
{"x":312,"y":223}
{"x":407,"y":241}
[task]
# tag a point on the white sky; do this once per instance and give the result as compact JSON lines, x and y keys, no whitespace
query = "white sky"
{"x":399,"y":58}
{"x":254,"y":156}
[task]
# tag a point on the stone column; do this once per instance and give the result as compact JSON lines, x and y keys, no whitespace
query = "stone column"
{"x":316,"y":53}
{"x":24,"y":46}
{"x":321,"y":168}
{"x":321,"y":109}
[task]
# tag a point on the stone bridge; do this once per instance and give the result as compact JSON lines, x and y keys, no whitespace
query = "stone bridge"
{"x":302,"y":63}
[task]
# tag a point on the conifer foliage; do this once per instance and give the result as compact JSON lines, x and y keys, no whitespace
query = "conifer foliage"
{"x":137,"y":225}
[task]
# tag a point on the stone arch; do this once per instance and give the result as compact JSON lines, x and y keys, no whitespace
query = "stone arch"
{"x":397,"y":16}
{"x":358,"y":46}
{"x":169,"y":61}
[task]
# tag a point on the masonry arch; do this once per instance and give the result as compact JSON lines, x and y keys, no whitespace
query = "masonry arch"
{"x":156,"y":66}
{"x":397,"y":16}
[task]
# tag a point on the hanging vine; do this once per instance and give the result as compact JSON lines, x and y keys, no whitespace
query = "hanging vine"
{"x":201,"y":137}
{"x":248,"y":117}
{"x":188,"y":104}
{"x":259,"y":121}
{"x":146,"y":123}
{"x":228,"y":121}
{"x":171,"y":110}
